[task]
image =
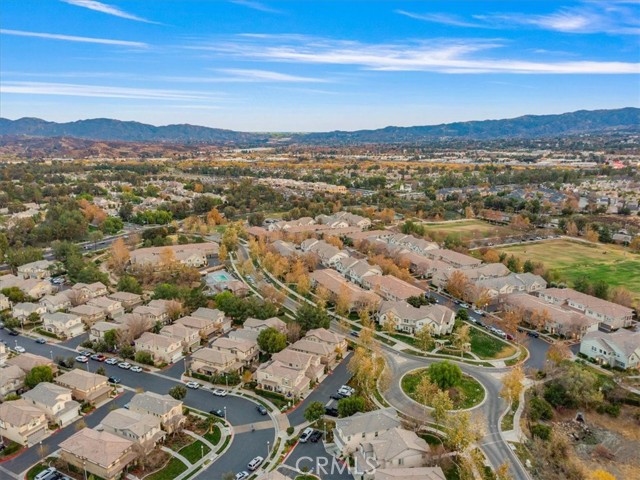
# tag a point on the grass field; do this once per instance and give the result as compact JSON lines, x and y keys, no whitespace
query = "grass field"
{"x":471,"y":392}
{"x":466,"y":230}
{"x":572,"y":259}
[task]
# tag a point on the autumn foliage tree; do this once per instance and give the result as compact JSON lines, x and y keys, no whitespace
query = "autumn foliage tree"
{"x":512,"y":384}
{"x":457,"y":284}
{"x":119,"y":256}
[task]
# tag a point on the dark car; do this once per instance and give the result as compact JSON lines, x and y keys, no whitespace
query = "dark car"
{"x":354,"y":333}
{"x":261,"y":410}
{"x":41,"y":341}
{"x":315,"y":436}
{"x":12,"y":332}
{"x":480,"y":324}
{"x":533,"y":334}
{"x":331,"y":411}
{"x":114,"y":380}
{"x":336,"y":396}
{"x":217,"y":413}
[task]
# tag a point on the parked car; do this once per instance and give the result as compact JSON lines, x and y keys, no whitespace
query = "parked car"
{"x":12,"y":332}
{"x":261,"y":410}
{"x":217,"y":412}
{"x":86,"y":353}
{"x":48,"y":474}
{"x":336,"y":396}
{"x":533,"y":334}
{"x":124,"y":365}
{"x":136,"y":369}
{"x":354,"y":333}
{"x":241,"y":475}
{"x":115,"y":380}
{"x":346,"y":391}
{"x":111,"y":361}
{"x":315,"y":436}
{"x":510,"y":337}
{"x":219,"y":392}
{"x":193,"y":385}
{"x":41,"y":341}
{"x":98,"y":357}
{"x":464,"y":305}
{"x":331,"y":411}
{"x":82,"y":359}
{"x":255,"y":463}
{"x":477,"y":311}
{"x":306,"y":434}
{"x":20,"y":349}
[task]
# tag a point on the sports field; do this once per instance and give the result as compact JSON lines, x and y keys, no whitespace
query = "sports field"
{"x":466,"y":229}
{"x":572,"y":260}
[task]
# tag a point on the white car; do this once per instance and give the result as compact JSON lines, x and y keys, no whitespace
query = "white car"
{"x":477,"y":311}
{"x":219,"y":392}
{"x":241,"y":475}
{"x":464,"y":305}
{"x":111,"y":361}
{"x":19,"y":349}
{"x":306,"y":434}
{"x":194,"y":385}
{"x":125,"y":365}
{"x":136,"y":369}
{"x":82,"y":359}
{"x":346,"y":391}
{"x":255,"y":463}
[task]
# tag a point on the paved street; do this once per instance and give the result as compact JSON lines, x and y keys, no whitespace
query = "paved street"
{"x":317,"y":460}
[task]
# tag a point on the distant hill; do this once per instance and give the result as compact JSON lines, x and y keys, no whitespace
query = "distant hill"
{"x":526,"y":127}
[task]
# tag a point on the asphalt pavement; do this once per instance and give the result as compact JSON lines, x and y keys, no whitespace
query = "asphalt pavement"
{"x":315,"y":459}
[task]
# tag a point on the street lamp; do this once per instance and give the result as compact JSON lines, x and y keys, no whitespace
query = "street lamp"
{"x":51,"y":354}
{"x":225,"y":412}
{"x":202,"y":450}
{"x":84,"y":467}
{"x":268,"y":449}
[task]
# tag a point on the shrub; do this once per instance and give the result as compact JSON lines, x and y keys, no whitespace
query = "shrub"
{"x":543,"y":432}
{"x":611,"y":409}
{"x":290,"y":431}
{"x":144,"y":357}
{"x":539,"y":409}
{"x":445,"y":374}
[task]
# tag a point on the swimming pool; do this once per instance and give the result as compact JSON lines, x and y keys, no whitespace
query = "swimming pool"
{"x":219,"y":276}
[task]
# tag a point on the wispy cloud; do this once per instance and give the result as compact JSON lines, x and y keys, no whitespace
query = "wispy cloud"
{"x":617,"y":18}
{"x":75,"y":90}
{"x":268,"y":76}
{"x":444,"y":56}
{"x":256,"y":6}
{"x":442,"y":18}
{"x":72,"y":38}
{"x":108,"y":9}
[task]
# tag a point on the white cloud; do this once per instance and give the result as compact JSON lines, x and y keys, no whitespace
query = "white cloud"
{"x":454,"y":56}
{"x":75,"y":90}
{"x":105,"y":8}
{"x":617,"y":18}
{"x":72,"y":38}
{"x":268,"y":76}
{"x":256,"y":6}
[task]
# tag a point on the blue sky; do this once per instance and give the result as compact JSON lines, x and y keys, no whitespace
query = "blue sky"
{"x":315,"y":65}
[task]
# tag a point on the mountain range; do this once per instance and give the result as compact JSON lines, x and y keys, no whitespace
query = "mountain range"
{"x":525,"y":127}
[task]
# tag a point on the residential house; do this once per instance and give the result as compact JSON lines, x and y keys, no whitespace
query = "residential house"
{"x":356,"y":297}
{"x":85,"y":291}
{"x":39,"y":269}
{"x":419,"y":473}
{"x":610,"y":315}
{"x":208,"y":361}
{"x":141,"y":428}
{"x":194,"y":255}
{"x":395,"y":448}
{"x":35,"y":288}
{"x":4,"y":354}
{"x":111,"y":308}
{"x":284,"y":249}
{"x":245,"y":351}
{"x":337,"y":342}
{"x":438,"y":318}
{"x":98,"y":329}
{"x":27,"y":361}
{"x":57,"y":302}
{"x":152,"y":315}
{"x":618,"y":349}
{"x":11,"y":379}
{"x":259,"y":325}
{"x":101,"y":454}
{"x":309,"y":362}
{"x":207,"y":320}
{"x":164,"y":349}
{"x":356,"y":270}
{"x":128,"y":300}
{"x":55,"y":401}
{"x":451,"y":257}
{"x":64,"y":325}
{"x":553,"y":318}
{"x":22,"y":423}
{"x":25,"y":309}
{"x":189,"y":337}
{"x":85,"y":386}
{"x":277,"y":376}
{"x":391,"y":288}
{"x":328,"y":254}
{"x":164,"y":407}
{"x":514,"y":282}
{"x":5,"y":304}
{"x":88,"y":313}
{"x":351,"y":431}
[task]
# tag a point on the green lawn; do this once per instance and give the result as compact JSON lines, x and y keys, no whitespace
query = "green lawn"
{"x":488,"y":347}
{"x":195,"y":451}
{"x":214,"y":437}
{"x":466,"y":230}
{"x":572,"y":260}
{"x":35,"y":470}
{"x":471,"y":392}
{"x":174,"y":468}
